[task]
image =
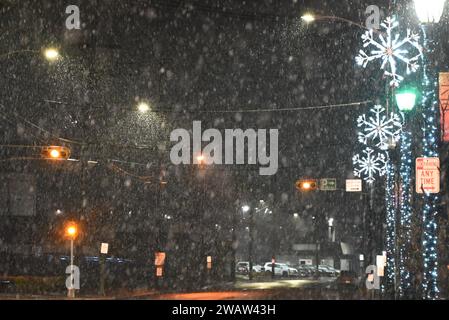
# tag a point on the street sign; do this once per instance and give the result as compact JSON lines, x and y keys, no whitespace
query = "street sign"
{"x":380,"y":263}
{"x":428,"y":175}
{"x":104,"y":248}
{"x":353,"y":185}
{"x":328,"y":184}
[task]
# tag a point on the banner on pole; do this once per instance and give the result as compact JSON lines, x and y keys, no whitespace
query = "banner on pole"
{"x":444,"y":105}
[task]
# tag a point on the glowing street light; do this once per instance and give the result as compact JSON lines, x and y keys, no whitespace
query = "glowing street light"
{"x":245,"y":208}
{"x":55,"y":154}
{"x":308,"y":18}
{"x":429,"y":11}
{"x":143,"y":107}
{"x":200,"y":159}
{"x":51,"y":54}
{"x":71,"y":231}
{"x":406,"y":100}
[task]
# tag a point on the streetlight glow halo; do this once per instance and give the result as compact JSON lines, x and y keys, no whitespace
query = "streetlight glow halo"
{"x":51,"y":54}
{"x":429,"y":11}
{"x":308,"y":17}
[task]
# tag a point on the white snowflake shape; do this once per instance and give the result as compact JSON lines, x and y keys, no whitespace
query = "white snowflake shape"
{"x":390,"y":50}
{"x":379,"y":128}
{"x":369,"y":165}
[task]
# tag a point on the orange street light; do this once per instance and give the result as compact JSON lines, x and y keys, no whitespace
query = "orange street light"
{"x":71,"y":231}
{"x":306,"y":185}
{"x":200,"y":159}
{"x":55,"y":153}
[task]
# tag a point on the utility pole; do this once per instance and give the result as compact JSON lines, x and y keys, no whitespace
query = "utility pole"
{"x":102,"y":273}
{"x":251,"y":240}
{"x":317,"y":249}
{"x":234,"y":241}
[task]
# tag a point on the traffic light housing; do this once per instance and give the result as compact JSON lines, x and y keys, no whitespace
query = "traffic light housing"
{"x":307,"y":185}
{"x":55,"y":153}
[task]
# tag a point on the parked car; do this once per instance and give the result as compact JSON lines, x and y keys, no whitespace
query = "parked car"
{"x":293,"y":272}
{"x":327,"y":271}
{"x":347,"y":279}
{"x":281,"y":270}
{"x":311,"y":270}
{"x":303,"y":271}
{"x":243,"y":267}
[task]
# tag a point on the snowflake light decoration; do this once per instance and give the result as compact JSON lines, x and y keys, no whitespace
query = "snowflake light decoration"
{"x":391,"y":50}
{"x":379,"y":128}
{"x":369,"y":165}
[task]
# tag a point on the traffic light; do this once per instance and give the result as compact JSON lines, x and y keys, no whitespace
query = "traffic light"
{"x":55,"y":153}
{"x":307,"y":185}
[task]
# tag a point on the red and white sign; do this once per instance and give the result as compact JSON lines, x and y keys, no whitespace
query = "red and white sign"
{"x":444,"y":105}
{"x":427,"y":175}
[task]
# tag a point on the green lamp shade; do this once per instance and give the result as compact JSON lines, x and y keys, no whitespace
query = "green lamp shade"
{"x":406,"y":100}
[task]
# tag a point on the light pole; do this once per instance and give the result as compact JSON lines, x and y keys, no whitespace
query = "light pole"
{"x":201,"y":160}
{"x":71,"y":232}
{"x":429,"y":13}
{"x":405,"y":100}
{"x":331,"y":234}
{"x":246,"y":209}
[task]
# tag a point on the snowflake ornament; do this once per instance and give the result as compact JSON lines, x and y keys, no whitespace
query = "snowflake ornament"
{"x":369,"y":165}
{"x":391,"y":50}
{"x":379,"y":128}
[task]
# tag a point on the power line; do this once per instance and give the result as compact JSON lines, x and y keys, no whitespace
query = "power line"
{"x":331,"y":106}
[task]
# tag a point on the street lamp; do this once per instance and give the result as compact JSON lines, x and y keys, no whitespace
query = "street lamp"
{"x":406,"y":100}
{"x":245,"y":208}
{"x":51,"y":54}
{"x":143,"y":107}
{"x":308,"y":17}
{"x":429,"y":11}
{"x":71,"y":232}
{"x":200,"y":159}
